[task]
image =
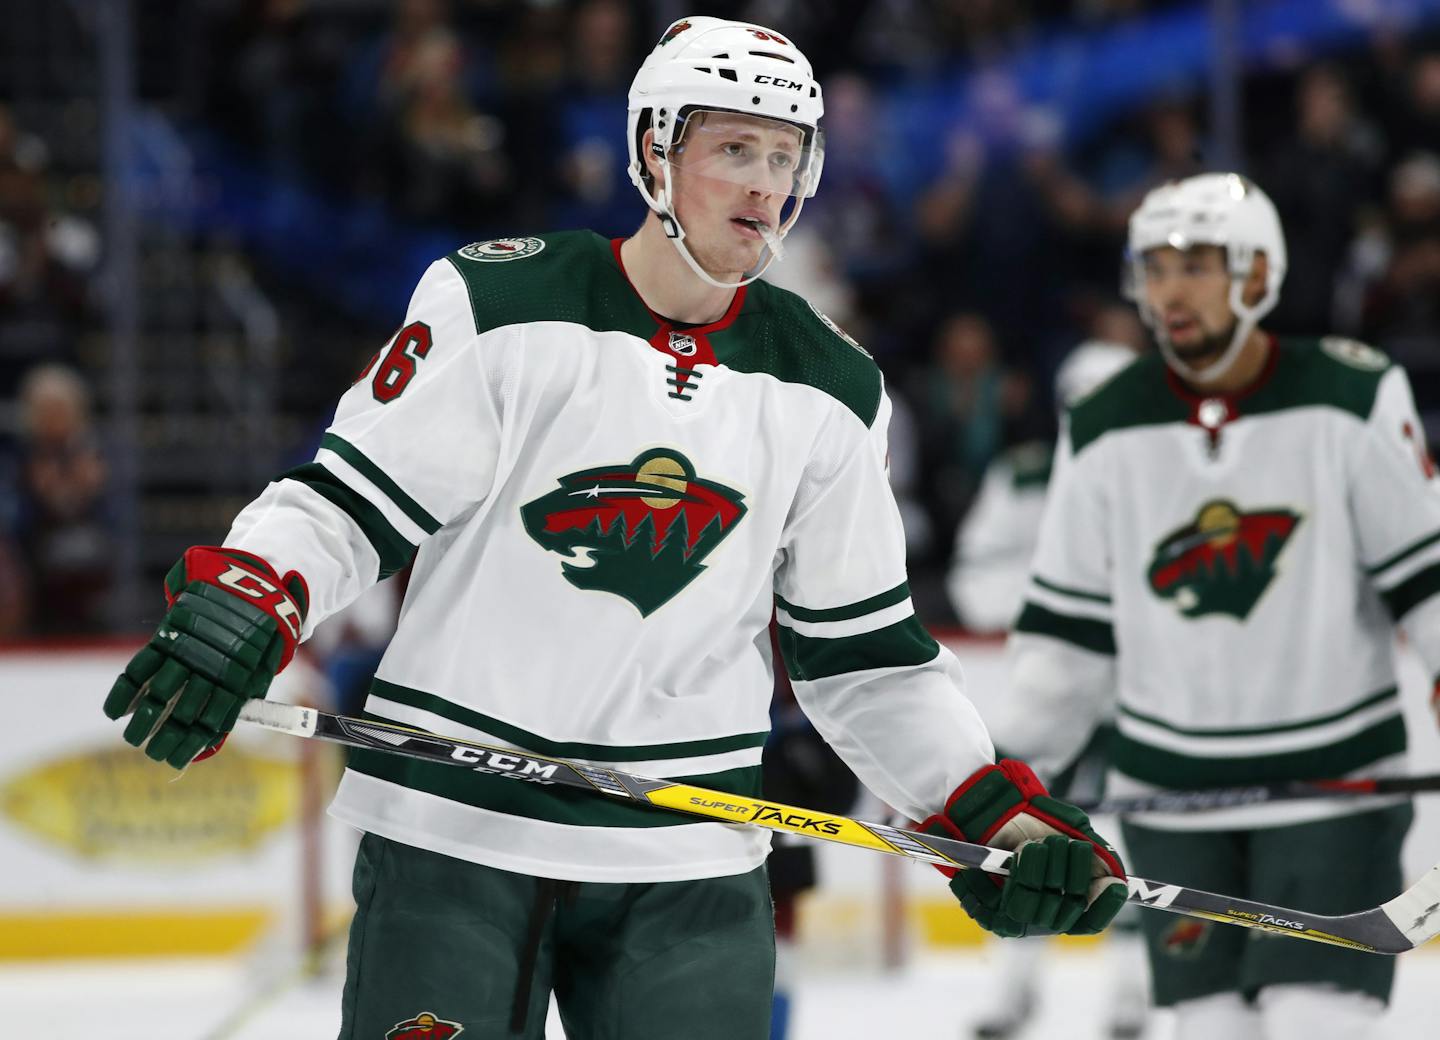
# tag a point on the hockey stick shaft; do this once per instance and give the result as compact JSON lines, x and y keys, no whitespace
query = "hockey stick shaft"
{"x":1405,"y":922}
{"x":1257,"y":794}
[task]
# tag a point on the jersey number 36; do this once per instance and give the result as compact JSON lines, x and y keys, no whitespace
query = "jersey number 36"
{"x":395,"y":371}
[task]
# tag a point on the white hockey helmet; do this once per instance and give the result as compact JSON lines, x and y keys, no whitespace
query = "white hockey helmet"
{"x":712,"y":64}
{"x":1219,"y":209}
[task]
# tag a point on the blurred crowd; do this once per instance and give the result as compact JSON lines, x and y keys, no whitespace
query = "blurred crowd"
{"x":969,"y":267}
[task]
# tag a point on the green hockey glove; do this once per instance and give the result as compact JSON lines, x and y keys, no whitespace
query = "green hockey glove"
{"x":1063,"y":878}
{"x":233,"y":624}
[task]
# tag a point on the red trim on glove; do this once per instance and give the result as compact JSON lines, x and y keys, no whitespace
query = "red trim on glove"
{"x":1023,"y":777}
{"x":249,"y":576}
{"x":1029,"y":787}
{"x":948,"y":825}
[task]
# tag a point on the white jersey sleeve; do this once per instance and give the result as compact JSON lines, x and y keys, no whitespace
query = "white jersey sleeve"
{"x":412,"y":446}
{"x":994,"y":543}
{"x":1395,"y":504}
{"x":879,"y":689}
{"x":1062,"y":650}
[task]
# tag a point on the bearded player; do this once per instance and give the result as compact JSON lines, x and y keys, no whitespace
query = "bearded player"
{"x":609,"y":462}
{"x":1236,"y":526}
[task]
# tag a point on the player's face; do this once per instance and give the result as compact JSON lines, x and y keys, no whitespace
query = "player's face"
{"x":732,"y":173}
{"x":1189,"y":293}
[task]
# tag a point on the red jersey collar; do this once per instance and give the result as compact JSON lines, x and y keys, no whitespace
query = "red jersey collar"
{"x":1211,"y":412}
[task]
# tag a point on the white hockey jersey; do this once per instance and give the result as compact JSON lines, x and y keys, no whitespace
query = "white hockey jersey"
{"x":995,"y":541}
{"x":1231,"y":570}
{"x":607,"y":508}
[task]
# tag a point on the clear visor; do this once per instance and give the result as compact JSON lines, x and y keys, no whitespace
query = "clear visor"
{"x":1191,"y":261}
{"x":767,"y":155}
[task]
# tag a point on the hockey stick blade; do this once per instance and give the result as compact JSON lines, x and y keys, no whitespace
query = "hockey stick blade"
{"x":1405,"y":922}
{"x":1207,"y":799}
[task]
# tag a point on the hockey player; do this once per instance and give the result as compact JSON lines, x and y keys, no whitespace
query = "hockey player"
{"x":1235,"y":526}
{"x":610,"y":461}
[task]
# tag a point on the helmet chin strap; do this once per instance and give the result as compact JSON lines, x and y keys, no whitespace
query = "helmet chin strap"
{"x":661,"y":204}
{"x":1246,"y":318}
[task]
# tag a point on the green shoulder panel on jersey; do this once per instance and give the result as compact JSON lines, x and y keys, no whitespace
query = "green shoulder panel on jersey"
{"x":1137,"y":395}
{"x":1328,"y":372}
{"x":565,"y":276}
{"x":786,"y":337}
{"x":572,"y":276}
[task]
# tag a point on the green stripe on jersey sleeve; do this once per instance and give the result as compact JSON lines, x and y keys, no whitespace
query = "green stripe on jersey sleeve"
{"x":899,"y":594}
{"x":1404,"y":554}
{"x":535,"y":743}
{"x":901,"y":645}
{"x":1065,"y":590}
{"x":394,"y":550}
{"x":1086,"y":633}
{"x":550,"y":803}
{"x":377,"y":476}
{"x":1165,"y":768}
{"x":1413,"y":591}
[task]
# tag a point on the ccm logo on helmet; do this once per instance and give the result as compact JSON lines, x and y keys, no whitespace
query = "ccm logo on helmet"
{"x":785,"y":84}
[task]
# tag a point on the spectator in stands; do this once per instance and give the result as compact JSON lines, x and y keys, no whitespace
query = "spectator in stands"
{"x":593,"y":189}
{"x":857,"y":215}
{"x":44,"y":258}
{"x":1402,"y":305}
{"x":14,"y":592}
{"x":963,"y":405}
{"x":273,"y":67}
{"x":982,"y":221}
{"x":1317,"y":179}
{"x":60,"y":523}
{"x":438,"y":156}
{"x":1414,"y":116}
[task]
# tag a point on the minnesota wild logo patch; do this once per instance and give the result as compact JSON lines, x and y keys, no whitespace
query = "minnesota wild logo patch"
{"x":425,"y":1026}
{"x":1223,"y":561}
{"x":638,"y":529}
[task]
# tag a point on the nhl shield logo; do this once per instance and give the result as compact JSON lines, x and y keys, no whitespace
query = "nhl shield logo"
{"x":1223,"y":561}
{"x":425,"y":1026}
{"x":499,"y":249}
{"x":682,"y":344}
{"x":638,"y":530}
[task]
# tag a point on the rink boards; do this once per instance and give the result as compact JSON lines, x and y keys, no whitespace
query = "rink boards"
{"x":108,"y":854}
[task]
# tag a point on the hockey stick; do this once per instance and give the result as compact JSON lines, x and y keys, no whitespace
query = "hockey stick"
{"x":1409,"y":920}
{"x":1232,"y":797}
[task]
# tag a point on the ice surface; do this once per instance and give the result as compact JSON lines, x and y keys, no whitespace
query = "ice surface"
{"x":194,"y":998}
